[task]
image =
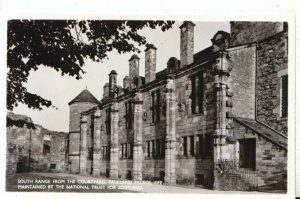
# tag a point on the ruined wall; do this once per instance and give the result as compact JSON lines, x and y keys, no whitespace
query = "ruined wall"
{"x":247,"y":32}
{"x":242,"y":80}
{"x":25,"y":149}
{"x":58,"y":152}
{"x":272,"y":64}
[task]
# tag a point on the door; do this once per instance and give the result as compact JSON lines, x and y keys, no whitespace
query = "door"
{"x":248,"y":153}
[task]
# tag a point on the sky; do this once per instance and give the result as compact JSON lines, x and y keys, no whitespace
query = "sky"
{"x":49,"y":83}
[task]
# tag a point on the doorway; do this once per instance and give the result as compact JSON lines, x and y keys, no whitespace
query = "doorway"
{"x":248,"y":153}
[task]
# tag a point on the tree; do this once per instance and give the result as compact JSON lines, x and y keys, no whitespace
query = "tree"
{"x":64,"y":45}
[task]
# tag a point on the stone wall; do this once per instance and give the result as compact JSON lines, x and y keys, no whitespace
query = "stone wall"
{"x":25,"y":149}
{"x":242,"y":80}
{"x":272,"y":64}
{"x":247,"y":32}
{"x":271,"y":159}
{"x":181,"y":128}
{"x":75,"y":110}
{"x":153,"y":166}
{"x":74,"y":128}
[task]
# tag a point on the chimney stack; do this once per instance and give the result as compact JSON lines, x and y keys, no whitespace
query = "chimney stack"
{"x":186,"y":43}
{"x":134,"y":65}
{"x":126,"y":82}
{"x":150,"y":63}
{"x":112,"y":80}
{"x":106,"y":90}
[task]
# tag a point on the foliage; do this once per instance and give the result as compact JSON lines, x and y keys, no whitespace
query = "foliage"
{"x":64,"y":45}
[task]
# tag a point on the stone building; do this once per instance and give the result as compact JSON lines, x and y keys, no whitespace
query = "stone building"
{"x":216,"y":118}
{"x":34,"y":149}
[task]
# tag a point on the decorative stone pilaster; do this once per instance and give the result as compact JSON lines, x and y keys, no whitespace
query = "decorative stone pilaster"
{"x":83,"y":144}
{"x":138,"y":135}
{"x":114,"y":150}
{"x":97,"y":144}
{"x":221,"y":73}
{"x":170,"y":175}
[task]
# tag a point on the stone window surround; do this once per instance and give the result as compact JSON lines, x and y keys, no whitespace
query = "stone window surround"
{"x":106,"y":152}
{"x":200,"y":86}
{"x":46,"y":149}
{"x":129,"y":115}
{"x":155,"y":107}
{"x":197,"y":153}
{"x":126,"y":150}
{"x":280,"y":74}
{"x":151,"y":149}
{"x":108,"y":121}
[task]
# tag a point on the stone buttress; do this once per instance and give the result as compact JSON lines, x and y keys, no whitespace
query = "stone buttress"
{"x":138,"y":135}
{"x":114,"y":151}
{"x":97,"y":144}
{"x":170,"y":156}
{"x":223,"y":114}
{"x":83,"y":145}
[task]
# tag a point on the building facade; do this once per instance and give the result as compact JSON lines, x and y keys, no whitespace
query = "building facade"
{"x":215,"y":118}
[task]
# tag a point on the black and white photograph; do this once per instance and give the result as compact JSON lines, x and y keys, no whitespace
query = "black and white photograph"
{"x":202,"y":119}
{"x":142,"y":105}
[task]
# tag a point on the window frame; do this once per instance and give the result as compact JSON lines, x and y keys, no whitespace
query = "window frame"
{"x":155,"y":106}
{"x":197,"y":93}
{"x":280,"y":75}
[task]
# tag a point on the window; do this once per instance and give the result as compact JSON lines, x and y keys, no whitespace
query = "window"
{"x":46,"y":148}
{"x":284,"y":96}
{"x":155,"y":96}
{"x":204,"y":145}
{"x":127,"y":150}
{"x":129,"y":115}
{"x":107,"y":121}
{"x":158,"y":149}
{"x":106,"y":152}
{"x":192,"y":147}
{"x":197,"y":145}
{"x":90,"y":153}
{"x":52,"y":166}
{"x":207,"y":145}
{"x":188,"y":145}
{"x":130,"y":150}
{"x":184,"y":146}
{"x":148,"y":149}
{"x":197,"y":93}
{"x":155,"y":148}
{"x":247,"y":153}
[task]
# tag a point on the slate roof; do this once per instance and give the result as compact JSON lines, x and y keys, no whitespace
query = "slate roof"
{"x":264,"y":131}
{"x":85,"y":96}
{"x":203,"y":55}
